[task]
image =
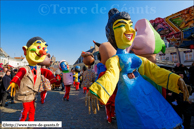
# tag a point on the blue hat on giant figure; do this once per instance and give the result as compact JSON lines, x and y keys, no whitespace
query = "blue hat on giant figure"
{"x":77,"y":68}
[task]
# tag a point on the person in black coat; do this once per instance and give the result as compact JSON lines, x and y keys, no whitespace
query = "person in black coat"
{"x":191,"y":72}
{"x":2,"y":74}
{"x":12,"y":73}
{"x":4,"y":85}
{"x":183,"y":69}
{"x":184,"y":108}
{"x":180,"y":67}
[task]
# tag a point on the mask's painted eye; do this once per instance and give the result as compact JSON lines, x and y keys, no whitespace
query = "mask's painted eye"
{"x":119,"y":26}
{"x":44,"y":48}
{"x":38,"y":47}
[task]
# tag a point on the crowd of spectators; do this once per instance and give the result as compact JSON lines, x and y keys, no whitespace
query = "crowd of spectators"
{"x":185,"y":109}
{"x":6,"y":74}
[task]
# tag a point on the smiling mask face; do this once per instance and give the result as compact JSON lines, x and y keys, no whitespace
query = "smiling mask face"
{"x":36,"y":53}
{"x":124,"y":33}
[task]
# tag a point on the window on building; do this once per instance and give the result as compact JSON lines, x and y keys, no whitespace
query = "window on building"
{"x":188,"y":55}
{"x":174,"y":57}
{"x":25,"y":63}
{"x":162,"y":56}
{"x":79,"y":60}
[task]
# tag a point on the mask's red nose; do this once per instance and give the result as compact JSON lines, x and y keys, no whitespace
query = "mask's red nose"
{"x":42,"y":52}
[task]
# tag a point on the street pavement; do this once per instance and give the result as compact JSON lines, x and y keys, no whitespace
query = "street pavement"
{"x":72,"y":113}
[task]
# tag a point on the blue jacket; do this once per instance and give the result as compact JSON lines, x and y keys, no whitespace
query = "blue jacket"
{"x":5,"y":83}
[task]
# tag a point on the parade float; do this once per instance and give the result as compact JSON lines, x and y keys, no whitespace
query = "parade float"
{"x":177,"y":29}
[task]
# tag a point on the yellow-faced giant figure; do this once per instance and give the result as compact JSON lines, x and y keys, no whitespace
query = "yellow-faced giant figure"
{"x":134,"y":92}
{"x":119,"y":30}
{"x":35,"y":50}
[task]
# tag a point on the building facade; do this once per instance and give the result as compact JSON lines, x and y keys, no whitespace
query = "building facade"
{"x":171,"y":57}
{"x":176,"y":55}
{"x":53,"y":59}
{"x":15,"y":62}
{"x":3,"y":56}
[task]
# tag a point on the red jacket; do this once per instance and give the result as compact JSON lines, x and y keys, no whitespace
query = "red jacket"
{"x":58,"y":79}
{"x":22,"y":71}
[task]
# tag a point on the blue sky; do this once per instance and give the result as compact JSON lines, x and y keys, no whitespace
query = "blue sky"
{"x":70,"y":26}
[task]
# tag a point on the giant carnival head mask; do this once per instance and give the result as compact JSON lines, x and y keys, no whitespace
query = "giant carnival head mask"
{"x":88,"y":58}
{"x":77,"y":69}
{"x":35,"y":50}
{"x":106,"y":51}
{"x":63,"y":66}
{"x":47,"y":61}
{"x":119,"y":29}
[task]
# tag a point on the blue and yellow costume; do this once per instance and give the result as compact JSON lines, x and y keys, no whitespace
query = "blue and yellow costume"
{"x":138,"y":104}
{"x":77,"y":77}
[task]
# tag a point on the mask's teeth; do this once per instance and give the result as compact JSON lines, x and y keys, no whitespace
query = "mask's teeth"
{"x":129,"y":36}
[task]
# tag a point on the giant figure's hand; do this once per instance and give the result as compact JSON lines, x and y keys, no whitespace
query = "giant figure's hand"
{"x":13,"y":87}
{"x":94,"y":99}
{"x":184,"y":89}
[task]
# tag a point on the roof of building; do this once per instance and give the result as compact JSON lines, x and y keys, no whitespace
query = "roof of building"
{"x":19,"y":57}
{"x":3,"y":53}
